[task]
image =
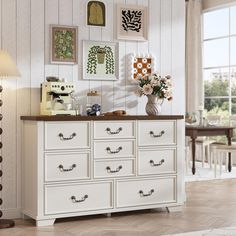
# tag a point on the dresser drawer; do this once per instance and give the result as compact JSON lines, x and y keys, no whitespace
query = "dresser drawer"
{"x":113,"y":129}
{"x":156,"y":161}
{"x":152,"y":133}
{"x":145,"y":192}
{"x":78,"y":197}
{"x":114,"y":168}
{"x":114,"y":149}
{"x":66,"y":166}
{"x":67,"y":135}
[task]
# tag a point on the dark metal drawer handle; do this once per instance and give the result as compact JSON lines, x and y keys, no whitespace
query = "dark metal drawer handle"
{"x":109,"y":170}
{"x":73,"y":198}
{"x":113,"y":152}
{"x":113,"y":132}
{"x":158,"y":164}
{"x":147,"y":194}
{"x":69,"y":138}
{"x":61,"y":167}
{"x":157,"y":135}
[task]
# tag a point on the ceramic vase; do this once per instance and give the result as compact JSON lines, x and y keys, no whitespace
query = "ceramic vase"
{"x":153,"y":106}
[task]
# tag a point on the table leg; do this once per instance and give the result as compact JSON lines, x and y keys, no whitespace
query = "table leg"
{"x":229,"y":162}
{"x":193,"y":155}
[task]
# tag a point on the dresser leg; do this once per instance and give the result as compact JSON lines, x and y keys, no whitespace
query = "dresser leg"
{"x":174,"y":209}
{"x":25,"y":217}
{"x":108,"y":214}
{"x":40,"y":223}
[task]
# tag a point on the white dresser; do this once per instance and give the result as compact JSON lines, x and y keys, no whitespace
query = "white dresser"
{"x":75,"y":166}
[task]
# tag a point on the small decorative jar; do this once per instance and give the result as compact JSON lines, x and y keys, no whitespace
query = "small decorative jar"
{"x":93,"y":107}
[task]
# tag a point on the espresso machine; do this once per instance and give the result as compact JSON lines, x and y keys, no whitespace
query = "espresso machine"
{"x":56,"y":98}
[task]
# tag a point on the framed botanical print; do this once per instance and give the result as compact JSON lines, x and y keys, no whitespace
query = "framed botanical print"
{"x":100,"y":60}
{"x":64,"y":47}
{"x":131,"y":22}
{"x":96,"y":13}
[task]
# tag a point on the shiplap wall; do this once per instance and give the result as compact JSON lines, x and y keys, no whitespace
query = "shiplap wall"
{"x":24,"y":33}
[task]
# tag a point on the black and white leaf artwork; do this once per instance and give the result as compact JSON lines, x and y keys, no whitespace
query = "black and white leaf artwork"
{"x":132,"y":20}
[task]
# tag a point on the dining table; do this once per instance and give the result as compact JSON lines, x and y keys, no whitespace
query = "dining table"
{"x":194,"y":131}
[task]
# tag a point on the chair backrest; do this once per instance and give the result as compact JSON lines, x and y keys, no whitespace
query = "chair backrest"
{"x":213,"y":119}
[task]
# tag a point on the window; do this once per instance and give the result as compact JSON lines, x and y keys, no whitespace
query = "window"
{"x":219,"y":61}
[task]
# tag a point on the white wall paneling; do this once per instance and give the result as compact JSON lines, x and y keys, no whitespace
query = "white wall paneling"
{"x":9,"y":109}
{"x":25,"y":35}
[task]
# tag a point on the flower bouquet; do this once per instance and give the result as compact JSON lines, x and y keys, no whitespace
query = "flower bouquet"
{"x":156,"y":88}
{"x":155,"y":85}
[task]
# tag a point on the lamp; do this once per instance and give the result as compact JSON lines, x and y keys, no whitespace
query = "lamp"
{"x":7,"y":69}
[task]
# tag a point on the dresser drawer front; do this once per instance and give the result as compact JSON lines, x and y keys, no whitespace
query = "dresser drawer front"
{"x":156,"y":161}
{"x":152,"y":133}
{"x":146,"y":192}
{"x":114,"y":149}
{"x":104,"y":169}
{"x":60,"y":167}
{"x":114,"y":129}
{"x":67,"y":135}
{"x":78,"y":197}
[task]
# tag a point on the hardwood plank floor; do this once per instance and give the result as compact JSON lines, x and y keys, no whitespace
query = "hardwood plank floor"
{"x":210,"y":204}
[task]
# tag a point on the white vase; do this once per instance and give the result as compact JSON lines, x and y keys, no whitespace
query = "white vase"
{"x":153,"y":106}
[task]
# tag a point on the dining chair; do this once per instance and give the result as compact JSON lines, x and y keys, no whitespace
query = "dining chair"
{"x":219,"y":153}
{"x":231,"y":122}
{"x":205,"y":143}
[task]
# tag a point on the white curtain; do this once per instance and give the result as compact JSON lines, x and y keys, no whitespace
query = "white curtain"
{"x":194,"y":80}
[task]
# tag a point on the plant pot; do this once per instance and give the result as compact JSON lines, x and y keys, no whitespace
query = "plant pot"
{"x":153,"y":106}
{"x":101,"y":56}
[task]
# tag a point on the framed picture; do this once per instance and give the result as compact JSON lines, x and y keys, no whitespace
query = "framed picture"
{"x":96,"y":13}
{"x":100,"y":60}
{"x":141,"y":65}
{"x":64,"y":47}
{"x":131,"y":22}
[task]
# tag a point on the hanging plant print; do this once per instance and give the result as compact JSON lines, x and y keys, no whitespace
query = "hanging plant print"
{"x":100,"y":60}
{"x":132,"y":23}
{"x":63,"y":44}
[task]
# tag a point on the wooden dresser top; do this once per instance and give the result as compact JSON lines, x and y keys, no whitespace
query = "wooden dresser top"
{"x":101,"y":118}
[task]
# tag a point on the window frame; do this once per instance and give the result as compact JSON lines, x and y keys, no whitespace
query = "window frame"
{"x":229,"y":36}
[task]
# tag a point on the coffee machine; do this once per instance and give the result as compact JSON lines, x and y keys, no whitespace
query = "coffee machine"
{"x":56,"y":98}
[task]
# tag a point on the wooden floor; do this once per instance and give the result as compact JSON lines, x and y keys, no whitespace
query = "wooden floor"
{"x":210,"y":204}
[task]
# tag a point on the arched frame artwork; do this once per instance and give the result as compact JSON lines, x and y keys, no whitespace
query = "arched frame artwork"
{"x":96,"y":13}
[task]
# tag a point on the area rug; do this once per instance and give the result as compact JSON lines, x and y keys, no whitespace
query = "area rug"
{"x":207,"y":173}
{"x":231,"y":231}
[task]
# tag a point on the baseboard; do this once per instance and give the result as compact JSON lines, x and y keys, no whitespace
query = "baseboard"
{"x":11,"y":213}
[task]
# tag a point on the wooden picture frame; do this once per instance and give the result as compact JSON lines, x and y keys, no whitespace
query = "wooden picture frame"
{"x":132,"y":22}
{"x":64,"y":44}
{"x":100,"y":60}
{"x":96,"y":13}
